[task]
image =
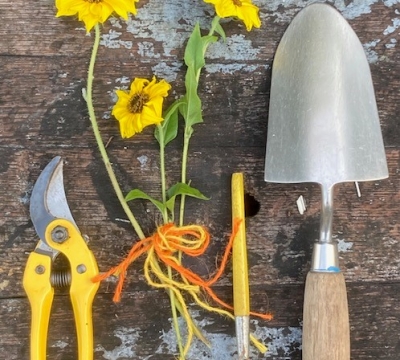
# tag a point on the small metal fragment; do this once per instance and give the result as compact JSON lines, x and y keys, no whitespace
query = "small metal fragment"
{"x":358,"y":189}
{"x":301,"y":205}
{"x":122,"y":220}
{"x":109,"y":141}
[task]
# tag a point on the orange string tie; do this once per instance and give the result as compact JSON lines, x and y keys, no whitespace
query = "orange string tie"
{"x":191,"y":240}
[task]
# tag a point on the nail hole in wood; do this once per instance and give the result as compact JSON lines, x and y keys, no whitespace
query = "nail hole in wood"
{"x":251,"y":205}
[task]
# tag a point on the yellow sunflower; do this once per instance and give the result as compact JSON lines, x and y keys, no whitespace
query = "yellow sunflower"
{"x":141,"y":106}
{"x":92,"y":12}
{"x":242,"y":9}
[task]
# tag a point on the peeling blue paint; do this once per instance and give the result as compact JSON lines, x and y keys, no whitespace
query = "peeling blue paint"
{"x":281,"y":341}
{"x":392,"y":44}
{"x":128,"y":338}
{"x":372,"y":55}
{"x":112,"y":41}
{"x":169,"y":24}
{"x":392,"y":28}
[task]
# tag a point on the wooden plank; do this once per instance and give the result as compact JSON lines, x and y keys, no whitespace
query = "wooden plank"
{"x":139,"y":327}
{"x":279,"y":238}
{"x":33,"y":29}
{"x":43,"y":64}
{"x":50,"y":110}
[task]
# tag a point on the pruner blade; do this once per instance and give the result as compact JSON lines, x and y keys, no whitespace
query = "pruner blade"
{"x":48,"y":201}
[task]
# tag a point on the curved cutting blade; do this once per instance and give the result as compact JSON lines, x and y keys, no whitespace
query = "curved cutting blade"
{"x":48,"y":200}
{"x":323,"y":122}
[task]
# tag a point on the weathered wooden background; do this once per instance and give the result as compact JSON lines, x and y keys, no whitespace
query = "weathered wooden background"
{"x":43,"y":64}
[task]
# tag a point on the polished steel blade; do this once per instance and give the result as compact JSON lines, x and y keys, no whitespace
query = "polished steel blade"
{"x":323,"y":122}
{"x":48,"y":199}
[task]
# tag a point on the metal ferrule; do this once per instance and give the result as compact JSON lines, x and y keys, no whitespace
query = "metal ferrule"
{"x":325,"y":253}
{"x":325,"y":257}
{"x":242,"y":336}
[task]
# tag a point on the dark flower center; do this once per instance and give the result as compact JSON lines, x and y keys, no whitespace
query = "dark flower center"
{"x":137,"y":102}
{"x":237,"y":2}
{"x":94,"y":1}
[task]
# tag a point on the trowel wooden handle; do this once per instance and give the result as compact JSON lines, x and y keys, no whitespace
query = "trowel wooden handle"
{"x":326,"y":332}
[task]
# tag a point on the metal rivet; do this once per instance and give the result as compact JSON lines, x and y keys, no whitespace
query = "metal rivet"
{"x":59,"y":234}
{"x":40,"y":269}
{"x":81,"y":269}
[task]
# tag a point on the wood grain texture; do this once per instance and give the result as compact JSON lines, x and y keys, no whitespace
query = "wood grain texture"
{"x":326,"y":329}
{"x":43,"y":65}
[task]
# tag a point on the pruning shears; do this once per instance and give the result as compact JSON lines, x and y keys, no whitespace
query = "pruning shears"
{"x":58,"y":233}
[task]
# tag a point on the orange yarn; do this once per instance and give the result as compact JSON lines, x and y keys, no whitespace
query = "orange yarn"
{"x":166,"y":241}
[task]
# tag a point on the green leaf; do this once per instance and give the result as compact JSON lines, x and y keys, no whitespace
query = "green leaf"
{"x":182,"y":189}
{"x":216,"y":26}
{"x":139,"y":194}
{"x":191,"y":110}
{"x":196,"y":49}
{"x":194,"y":59}
{"x":169,"y":126}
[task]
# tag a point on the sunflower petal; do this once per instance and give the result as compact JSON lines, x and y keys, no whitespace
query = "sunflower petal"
{"x":241,"y":9}
{"x":149,"y":117}
{"x":92,"y":13}
{"x":248,"y":13}
{"x":158,"y":89}
{"x":123,"y":7}
{"x":137,"y":85}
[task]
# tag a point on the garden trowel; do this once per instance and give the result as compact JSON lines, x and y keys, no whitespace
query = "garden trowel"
{"x":324,"y":128}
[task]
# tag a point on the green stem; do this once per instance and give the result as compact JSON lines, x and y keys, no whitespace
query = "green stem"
{"x":162,"y":173}
{"x":96,"y":131}
{"x":188,"y":135}
{"x":175,"y":317}
{"x":172,"y":297}
{"x":186,"y":140}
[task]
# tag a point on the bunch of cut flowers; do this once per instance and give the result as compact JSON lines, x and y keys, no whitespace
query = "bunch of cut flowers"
{"x":137,"y":108}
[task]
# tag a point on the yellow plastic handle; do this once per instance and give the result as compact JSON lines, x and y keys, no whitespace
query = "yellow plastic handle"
{"x":241,"y":297}
{"x":82,"y":290}
{"x":40,"y":293}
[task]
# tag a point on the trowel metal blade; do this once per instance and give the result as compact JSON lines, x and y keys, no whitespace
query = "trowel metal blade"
{"x":323,"y":122}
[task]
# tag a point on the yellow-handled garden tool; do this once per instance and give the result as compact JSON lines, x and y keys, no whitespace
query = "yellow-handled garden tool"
{"x":241,"y":296}
{"x":58,"y":233}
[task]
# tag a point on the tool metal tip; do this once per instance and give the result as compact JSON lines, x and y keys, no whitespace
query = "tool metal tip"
{"x":243,"y":336}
